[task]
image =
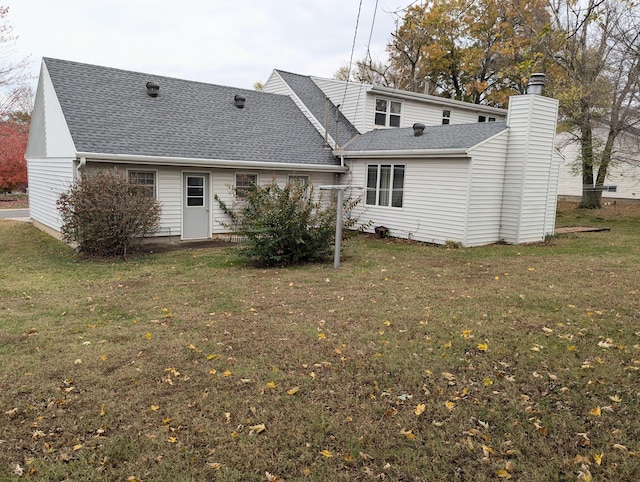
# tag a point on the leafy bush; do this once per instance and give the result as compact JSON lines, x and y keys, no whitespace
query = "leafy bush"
{"x":285,"y":225}
{"x":107,"y":215}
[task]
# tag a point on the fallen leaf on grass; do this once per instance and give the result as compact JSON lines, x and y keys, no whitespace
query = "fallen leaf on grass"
{"x":293,"y":391}
{"x":155,"y":408}
{"x":408,"y":433}
{"x":172,"y":440}
{"x":450,"y":405}
{"x":598,"y":458}
{"x":596,"y":412}
{"x":503,"y":474}
{"x":420,"y":409}
{"x":326,"y":453}
{"x":483,"y":346}
{"x":584,"y":474}
{"x":259,"y":428}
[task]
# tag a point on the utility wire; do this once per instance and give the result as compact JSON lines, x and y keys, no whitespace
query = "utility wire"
{"x":353,"y":46}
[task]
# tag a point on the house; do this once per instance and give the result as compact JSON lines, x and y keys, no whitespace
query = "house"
{"x":435,"y":169}
{"x":623,"y":176}
{"x":187,"y":140}
{"x":429,"y":169}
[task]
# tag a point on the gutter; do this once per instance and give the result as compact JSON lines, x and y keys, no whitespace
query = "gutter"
{"x":195,"y":162}
{"x":407,"y":153}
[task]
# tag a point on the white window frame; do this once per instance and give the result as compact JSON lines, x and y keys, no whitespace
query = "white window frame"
{"x":385,"y":192}
{"x":241,"y":191}
{"x":154,"y":172}
{"x":388,"y":115}
{"x":299,"y":179}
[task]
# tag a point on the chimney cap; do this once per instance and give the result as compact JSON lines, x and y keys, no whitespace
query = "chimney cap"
{"x":536,"y":83}
{"x":239,"y":100}
{"x":153,"y":88}
{"x":418,"y":129}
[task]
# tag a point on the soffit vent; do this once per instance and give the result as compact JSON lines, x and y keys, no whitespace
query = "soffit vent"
{"x":418,"y":129}
{"x":153,"y":89}
{"x":239,"y":101}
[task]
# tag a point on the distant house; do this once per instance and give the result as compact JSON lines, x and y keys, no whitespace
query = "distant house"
{"x":623,"y":178}
{"x":429,"y":169}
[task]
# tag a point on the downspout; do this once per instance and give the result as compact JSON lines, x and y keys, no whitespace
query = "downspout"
{"x":81,"y":165}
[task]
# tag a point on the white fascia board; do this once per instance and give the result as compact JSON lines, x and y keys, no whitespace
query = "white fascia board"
{"x":405,"y":154}
{"x":433,"y":99}
{"x":195,"y":162}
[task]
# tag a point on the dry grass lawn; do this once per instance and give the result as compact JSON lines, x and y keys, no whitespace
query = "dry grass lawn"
{"x":410,"y":362}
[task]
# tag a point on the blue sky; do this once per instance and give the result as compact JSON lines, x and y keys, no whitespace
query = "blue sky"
{"x":232,"y":43}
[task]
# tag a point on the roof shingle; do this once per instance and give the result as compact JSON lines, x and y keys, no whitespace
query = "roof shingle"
{"x":108,"y":111}
{"x":451,"y":136}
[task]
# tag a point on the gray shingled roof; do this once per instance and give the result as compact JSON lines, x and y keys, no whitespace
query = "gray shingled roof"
{"x":108,"y":111}
{"x":314,"y":99}
{"x":452,"y":136}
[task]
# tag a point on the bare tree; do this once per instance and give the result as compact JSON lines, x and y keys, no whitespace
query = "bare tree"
{"x":14,"y":92}
{"x":596,"y":44}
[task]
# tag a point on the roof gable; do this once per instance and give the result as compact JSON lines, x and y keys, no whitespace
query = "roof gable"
{"x":108,"y":111}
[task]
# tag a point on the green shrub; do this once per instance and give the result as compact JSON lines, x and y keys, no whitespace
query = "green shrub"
{"x":285,"y":225}
{"x":107,"y":215}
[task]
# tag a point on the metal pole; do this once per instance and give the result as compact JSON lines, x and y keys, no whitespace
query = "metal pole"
{"x":338,"y":243}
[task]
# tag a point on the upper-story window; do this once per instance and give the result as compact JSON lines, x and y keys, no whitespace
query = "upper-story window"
{"x":446,"y":116}
{"x":388,"y":113}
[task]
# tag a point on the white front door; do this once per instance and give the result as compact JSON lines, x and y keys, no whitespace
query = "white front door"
{"x":195,"y":206}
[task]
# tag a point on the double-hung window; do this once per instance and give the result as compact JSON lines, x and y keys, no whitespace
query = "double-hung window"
{"x":388,"y":113}
{"x":144,"y":178}
{"x":244,"y":183}
{"x":385,"y":185}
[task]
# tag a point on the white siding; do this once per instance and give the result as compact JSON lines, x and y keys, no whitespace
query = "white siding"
{"x":50,"y":155}
{"x":434,"y":203}
{"x":625,"y":175}
{"x":48,"y":178}
{"x":351,"y":96}
{"x":50,"y":136}
{"x":428,"y":113}
{"x":486,"y":187}
{"x":532,"y":122}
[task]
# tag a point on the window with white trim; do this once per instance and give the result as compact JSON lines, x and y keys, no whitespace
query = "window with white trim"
{"x":388,"y":112}
{"x":446,"y":116}
{"x":385,"y":185}
{"x":244,"y":183}
{"x":302,"y":181}
{"x":144,"y":178}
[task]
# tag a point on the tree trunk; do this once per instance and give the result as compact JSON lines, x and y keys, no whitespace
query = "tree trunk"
{"x":591,"y":197}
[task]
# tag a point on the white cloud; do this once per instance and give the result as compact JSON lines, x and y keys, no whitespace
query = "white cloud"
{"x":233,"y":42}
